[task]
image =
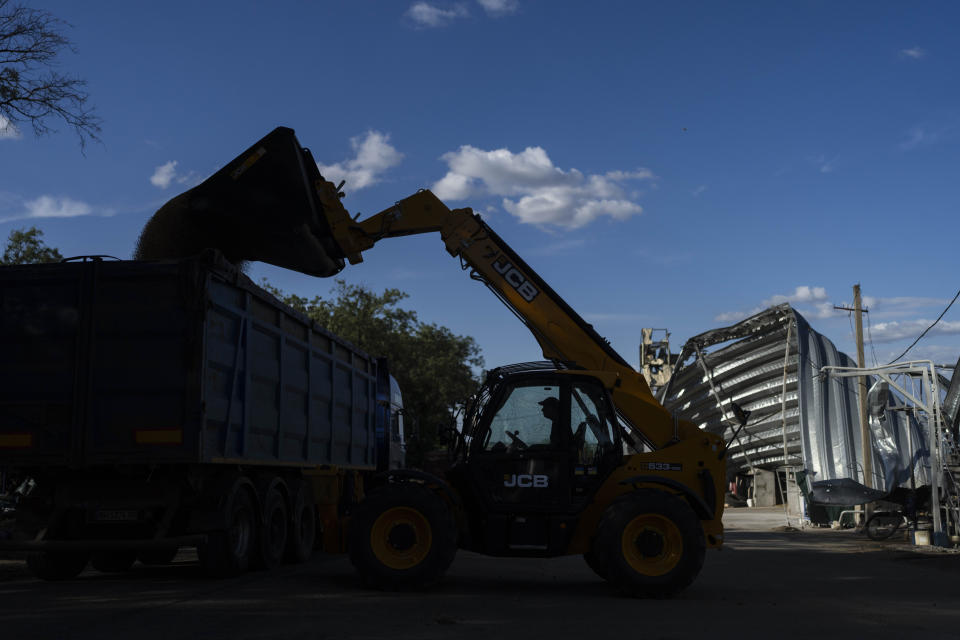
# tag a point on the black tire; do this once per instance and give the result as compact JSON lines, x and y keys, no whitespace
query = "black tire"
{"x":649,"y":543}
{"x":273,"y":532}
{"x":226,"y":553}
{"x":303,"y":525}
{"x":882,"y":525}
{"x":591,"y":559}
{"x":157,"y":556}
{"x":402,"y":536}
{"x":113,"y":561}
{"x":57,"y":565}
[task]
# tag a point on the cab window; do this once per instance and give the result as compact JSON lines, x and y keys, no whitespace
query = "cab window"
{"x":528,"y":416}
{"x":591,"y":422}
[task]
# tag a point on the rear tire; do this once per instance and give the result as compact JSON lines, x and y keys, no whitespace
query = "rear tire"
{"x":226,"y":553}
{"x":882,"y":525}
{"x":113,"y":561}
{"x":402,"y":536}
{"x":649,"y":543}
{"x":273,"y":533}
{"x":57,"y":565}
{"x":303,"y":525}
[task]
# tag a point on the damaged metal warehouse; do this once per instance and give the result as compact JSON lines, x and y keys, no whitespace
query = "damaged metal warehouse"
{"x":802,"y":445}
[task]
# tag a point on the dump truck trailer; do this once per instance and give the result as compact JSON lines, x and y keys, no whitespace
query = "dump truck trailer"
{"x":175,"y":403}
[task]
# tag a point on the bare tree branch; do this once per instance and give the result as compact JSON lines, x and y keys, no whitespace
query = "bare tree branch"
{"x":31,"y":91}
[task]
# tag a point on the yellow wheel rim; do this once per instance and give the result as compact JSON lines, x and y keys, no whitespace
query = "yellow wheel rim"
{"x":652,"y":544}
{"x":401,"y":538}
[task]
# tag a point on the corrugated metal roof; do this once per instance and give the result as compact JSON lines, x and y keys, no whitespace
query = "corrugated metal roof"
{"x":754,"y":366}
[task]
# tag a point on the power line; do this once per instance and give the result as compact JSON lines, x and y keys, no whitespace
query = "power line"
{"x":876,"y":362}
{"x":926,"y":330}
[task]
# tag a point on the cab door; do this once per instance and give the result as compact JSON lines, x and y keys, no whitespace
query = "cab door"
{"x":523,"y":460}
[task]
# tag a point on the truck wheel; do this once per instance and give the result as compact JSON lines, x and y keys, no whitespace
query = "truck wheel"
{"x":113,"y":561}
{"x":227,"y":553}
{"x":158,"y":556}
{"x":650,"y":543}
{"x":591,"y":559}
{"x":402,"y":536}
{"x":57,"y":565}
{"x":273,"y":534}
{"x":303,"y":525}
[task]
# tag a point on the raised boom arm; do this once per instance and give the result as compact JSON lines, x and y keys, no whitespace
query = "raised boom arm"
{"x":562,"y":334}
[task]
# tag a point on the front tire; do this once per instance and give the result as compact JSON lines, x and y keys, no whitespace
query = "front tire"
{"x":402,"y":536}
{"x":649,"y":543}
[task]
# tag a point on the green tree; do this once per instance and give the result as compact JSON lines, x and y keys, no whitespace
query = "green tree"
{"x":26,"y":246}
{"x":434,"y":366}
{"x":32,"y":91}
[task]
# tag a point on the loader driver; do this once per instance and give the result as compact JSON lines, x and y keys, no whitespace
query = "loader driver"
{"x":551,"y":411}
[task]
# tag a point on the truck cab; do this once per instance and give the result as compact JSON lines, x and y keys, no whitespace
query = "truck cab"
{"x":391,"y":439}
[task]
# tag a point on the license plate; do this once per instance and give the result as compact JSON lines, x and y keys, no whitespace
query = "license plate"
{"x":116,"y":515}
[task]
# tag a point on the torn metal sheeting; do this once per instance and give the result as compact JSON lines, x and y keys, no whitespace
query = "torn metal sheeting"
{"x":798,"y":417}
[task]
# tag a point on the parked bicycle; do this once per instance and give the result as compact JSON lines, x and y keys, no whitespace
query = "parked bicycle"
{"x":883,"y":524}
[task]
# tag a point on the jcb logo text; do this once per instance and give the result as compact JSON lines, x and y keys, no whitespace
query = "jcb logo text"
{"x":525,"y":480}
{"x":515,"y":279}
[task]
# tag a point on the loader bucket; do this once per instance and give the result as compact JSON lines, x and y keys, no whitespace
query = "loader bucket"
{"x":260,"y":206}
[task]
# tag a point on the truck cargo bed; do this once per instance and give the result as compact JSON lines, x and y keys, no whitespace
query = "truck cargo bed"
{"x":123,"y":362}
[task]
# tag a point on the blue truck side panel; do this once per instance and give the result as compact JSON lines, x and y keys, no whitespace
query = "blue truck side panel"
{"x":173,"y":362}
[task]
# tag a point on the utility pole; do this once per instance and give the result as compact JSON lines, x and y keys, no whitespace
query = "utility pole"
{"x":866,"y":447}
{"x":866,"y":450}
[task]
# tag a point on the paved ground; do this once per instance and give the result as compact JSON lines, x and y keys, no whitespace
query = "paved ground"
{"x":765,"y":582}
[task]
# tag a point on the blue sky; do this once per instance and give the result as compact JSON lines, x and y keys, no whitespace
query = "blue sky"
{"x":671,"y":165}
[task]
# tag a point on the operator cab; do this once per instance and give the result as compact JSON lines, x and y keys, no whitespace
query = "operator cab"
{"x":537,"y":444}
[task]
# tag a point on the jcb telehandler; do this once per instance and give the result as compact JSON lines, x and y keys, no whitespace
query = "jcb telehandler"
{"x":569,"y":456}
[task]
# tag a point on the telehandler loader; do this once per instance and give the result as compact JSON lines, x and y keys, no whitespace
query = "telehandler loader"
{"x":573,"y":455}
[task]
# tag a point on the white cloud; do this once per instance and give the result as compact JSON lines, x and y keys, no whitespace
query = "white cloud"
{"x":536,"y":191}
{"x":51,"y":207}
{"x":428,"y":15}
{"x":914,"y":52}
{"x":899,"y":306}
{"x":821,"y":307}
{"x":826,"y":165}
{"x":373,"y":154}
{"x":499,"y":7}
{"x":800,"y":294}
{"x":910,"y":329}
{"x":7,"y":130}
{"x":922,"y":136}
{"x":940,"y":354}
{"x":44,"y":207}
{"x":734,"y":316}
{"x":696,"y":192}
{"x":164,"y":174}
{"x":14,"y":207}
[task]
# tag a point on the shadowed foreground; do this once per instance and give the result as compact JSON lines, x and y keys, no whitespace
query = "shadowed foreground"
{"x":763,"y":582}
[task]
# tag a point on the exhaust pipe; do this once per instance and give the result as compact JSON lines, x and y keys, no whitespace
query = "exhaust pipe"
{"x":263,"y":206}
